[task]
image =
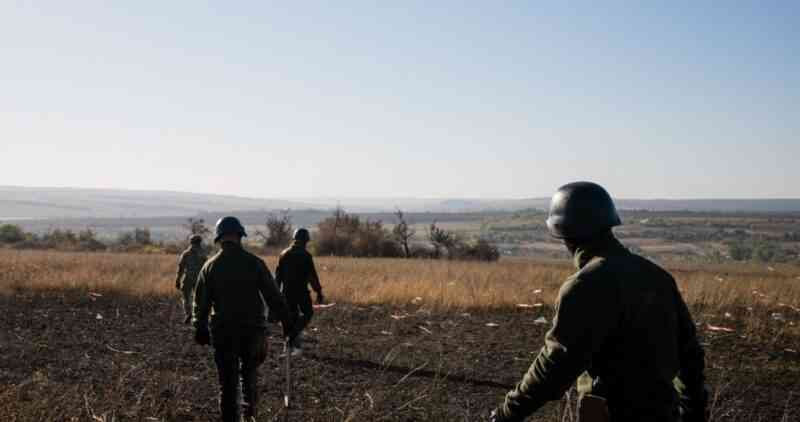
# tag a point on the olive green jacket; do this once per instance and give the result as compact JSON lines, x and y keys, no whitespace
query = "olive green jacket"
{"x":189,"y":265}
{"x":296,"y":271}
{"x":621,"y":319}
{"x":234,"y":288}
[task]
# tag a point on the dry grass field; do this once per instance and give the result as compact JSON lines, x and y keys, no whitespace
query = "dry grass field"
{"x":97,"y":337}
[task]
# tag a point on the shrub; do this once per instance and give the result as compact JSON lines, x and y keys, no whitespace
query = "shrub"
{"x":343,"y":234}
{"x":481,"y":250}
{"x":10,"y":233}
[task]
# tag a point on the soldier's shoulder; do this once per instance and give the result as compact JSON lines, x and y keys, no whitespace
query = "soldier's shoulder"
{"x":588,"y":282}
{"x":212,"y":259}
{"x":253,"y":258}
{"x":285,"y":252}
{"x":596,"y":267}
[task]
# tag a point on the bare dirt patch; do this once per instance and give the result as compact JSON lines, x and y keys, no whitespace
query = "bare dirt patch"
{"x":75,"y":355}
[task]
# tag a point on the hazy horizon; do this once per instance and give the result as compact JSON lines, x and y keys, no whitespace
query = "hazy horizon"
{"x":367,"y":101}
{"x":379,"y":198}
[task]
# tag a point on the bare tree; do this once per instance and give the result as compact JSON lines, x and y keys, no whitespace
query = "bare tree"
{"x":443,"y":239}
{"x":279,"y":230}
{"x":197,"y":226}
{"x":403,"y":233}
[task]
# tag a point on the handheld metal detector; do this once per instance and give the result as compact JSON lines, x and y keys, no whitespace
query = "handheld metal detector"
{"x":288,"y":367}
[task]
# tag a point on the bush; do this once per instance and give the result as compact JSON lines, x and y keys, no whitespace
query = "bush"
{"x":343,"y":234}
{"x":480,"y":250}
{"x":10,"y":233}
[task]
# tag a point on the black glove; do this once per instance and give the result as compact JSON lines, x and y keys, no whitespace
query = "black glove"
{"x":177,"y":284}
{"x":320,"y":298}
{"x":202,"y":337}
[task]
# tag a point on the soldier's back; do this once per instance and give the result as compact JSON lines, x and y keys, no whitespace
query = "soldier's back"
{"x":295,"y":266}
{"x":638,"y":361}
{"x":232,"y":278}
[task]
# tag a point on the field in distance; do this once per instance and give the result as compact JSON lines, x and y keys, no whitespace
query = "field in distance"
{"x":98,"y":337}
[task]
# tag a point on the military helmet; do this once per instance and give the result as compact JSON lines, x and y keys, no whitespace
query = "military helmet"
{"x":195,"y":239}
{"x":581,"y":210}
{"x":301,"y":235}
{"x":228,"y":225}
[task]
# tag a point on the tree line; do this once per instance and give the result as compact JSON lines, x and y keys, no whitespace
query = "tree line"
{"x":340,"y":234}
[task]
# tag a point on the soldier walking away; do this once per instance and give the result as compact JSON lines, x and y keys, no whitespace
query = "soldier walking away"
{"x":294,"y":273}
{"x":233,"y":288}
{"x":621,"y":319}
{"x":189,"y":265}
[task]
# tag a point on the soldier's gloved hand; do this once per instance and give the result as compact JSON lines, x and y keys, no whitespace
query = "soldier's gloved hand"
{"x":177,"y":284}
{"x":202,"y":337}
{"x":320,"y":298}
{"x":497,"y":416}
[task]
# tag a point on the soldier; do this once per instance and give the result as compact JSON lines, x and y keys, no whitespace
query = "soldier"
{"x":294,"y":272}
{"x":233,"y":287}
{"x":621,"y":319}
{"x":189,"y":265}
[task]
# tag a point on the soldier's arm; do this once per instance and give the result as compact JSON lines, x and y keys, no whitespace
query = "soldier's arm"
{"x":272,"y":296}
{"x":181,"y":267}
{"x":579,"y":328}
{"x":691,"y":378}
{"x":279,"y":273}
{"x":313,"y":278}
{"x":202,"y":301}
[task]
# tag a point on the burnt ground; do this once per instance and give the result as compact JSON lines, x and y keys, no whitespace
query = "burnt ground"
{"x":76,"y":356}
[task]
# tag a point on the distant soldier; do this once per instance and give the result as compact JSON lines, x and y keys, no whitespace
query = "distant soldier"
{"x":234,"y":287}
{"x":189,"y":265}
{"x":294,"y":273}
{"x":621,"y":319}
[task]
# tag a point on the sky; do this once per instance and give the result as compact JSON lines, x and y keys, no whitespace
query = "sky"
{"x":424,"y":99}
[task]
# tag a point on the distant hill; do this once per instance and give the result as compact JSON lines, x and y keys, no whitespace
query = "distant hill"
{"x":718,"y":205}
{"x":47,"y":203}
{"x":67,"y":203}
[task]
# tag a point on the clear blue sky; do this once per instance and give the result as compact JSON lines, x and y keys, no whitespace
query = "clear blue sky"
{"x":413,"y":99}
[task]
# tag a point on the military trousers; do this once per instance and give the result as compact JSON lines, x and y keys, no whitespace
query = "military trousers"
{"x":238,"y":354}
{"x":301,"y":310}
{"x":187,"y":298}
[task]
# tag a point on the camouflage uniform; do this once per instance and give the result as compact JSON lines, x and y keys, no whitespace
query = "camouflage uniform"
{"x":233,"y":288}
{"x":294,"y":273}
{"x":621,"y":319}
{"x":189,"y":265}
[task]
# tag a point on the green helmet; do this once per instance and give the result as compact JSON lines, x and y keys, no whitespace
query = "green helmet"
{"x":581,"y":210}
{"x":196,"y":239}
{"x":228,"y":225}
{"x":302,"y":235}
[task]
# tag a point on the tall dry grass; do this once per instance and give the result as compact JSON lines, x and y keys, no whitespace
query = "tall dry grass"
{"x":439,"y":285}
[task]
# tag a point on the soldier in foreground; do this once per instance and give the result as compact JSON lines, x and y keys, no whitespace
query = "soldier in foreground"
{"x":621,"y":319}
{"x":233,"y":287}
{"x":189,"y":265}
{"x":294,"y":273}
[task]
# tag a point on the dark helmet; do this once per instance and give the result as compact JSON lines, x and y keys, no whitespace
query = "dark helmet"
{"x":581,"y":210}
{"x":228,"y":225}
{"x":301,"y":235}
{"x":196,"y":239}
